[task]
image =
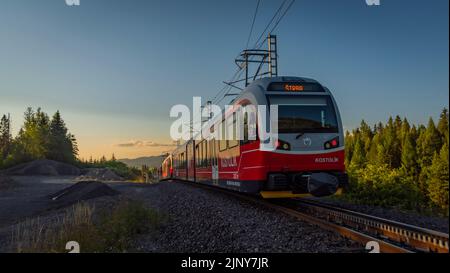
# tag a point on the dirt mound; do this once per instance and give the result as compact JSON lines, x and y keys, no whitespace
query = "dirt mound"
{"x":99,"y":174}
{"x":6,"y":182}
{"x":43,"y":167}
{"x":81,"y":191}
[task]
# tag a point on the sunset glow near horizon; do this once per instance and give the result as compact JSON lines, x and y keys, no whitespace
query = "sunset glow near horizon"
{"x":115,"y":68}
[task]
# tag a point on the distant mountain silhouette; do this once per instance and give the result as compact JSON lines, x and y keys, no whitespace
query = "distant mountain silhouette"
{"x":150,"y":161}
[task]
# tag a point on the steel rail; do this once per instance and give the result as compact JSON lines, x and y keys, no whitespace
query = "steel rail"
{"x":409,"y":236}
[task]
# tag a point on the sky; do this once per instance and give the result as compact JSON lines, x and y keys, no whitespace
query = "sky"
{"x":114,"y":68}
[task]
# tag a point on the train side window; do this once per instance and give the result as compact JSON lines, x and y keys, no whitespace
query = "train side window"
{"x":250,"y":129}
{"x":208,"y":155}
{"x":216,"y":153}
{"x":199,"y":154}
{"x":223,"y":137}
{"x":232,"y":128}
{"x":205,"y":153}
{"x":196,"y":155}
{"x":245,"y":140}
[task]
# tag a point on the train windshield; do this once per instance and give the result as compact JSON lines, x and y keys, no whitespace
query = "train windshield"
{"x":305,"y":114}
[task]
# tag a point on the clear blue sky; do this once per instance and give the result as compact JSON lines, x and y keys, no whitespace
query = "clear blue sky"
{"x":115,"y":67}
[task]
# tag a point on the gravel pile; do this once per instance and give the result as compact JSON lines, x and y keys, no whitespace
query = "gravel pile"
{"x":200,"y":220}
{"x":80,"y":191}
{"x":434,"y":223}
{"x":43,"y":167}
{"x":99,"y":174}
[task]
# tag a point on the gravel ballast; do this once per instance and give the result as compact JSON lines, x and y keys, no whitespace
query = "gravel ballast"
{"x":201,"y":220}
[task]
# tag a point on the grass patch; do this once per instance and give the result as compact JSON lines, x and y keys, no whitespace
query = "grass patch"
{"x":110,"y":231}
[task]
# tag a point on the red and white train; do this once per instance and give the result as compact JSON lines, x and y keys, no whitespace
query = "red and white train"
{"x":309,"y":154}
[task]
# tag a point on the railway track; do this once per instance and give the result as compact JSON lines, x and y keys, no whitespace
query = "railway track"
{"x":392,"y":236}
{"x":384,"y":235}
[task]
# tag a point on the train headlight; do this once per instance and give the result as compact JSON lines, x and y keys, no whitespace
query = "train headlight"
{"x":334,"y":143}
{"x":282,"y":145}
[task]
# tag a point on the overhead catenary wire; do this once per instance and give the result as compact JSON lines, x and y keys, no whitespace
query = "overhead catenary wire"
{"x":253,"y":24}
{"x":270,"y":23}
{"x":224,"y":91}
{"x":278,"y":21}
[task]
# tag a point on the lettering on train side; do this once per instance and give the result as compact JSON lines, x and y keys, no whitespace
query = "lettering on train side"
{"x":228,"y":162}
{"x":327,"y":160}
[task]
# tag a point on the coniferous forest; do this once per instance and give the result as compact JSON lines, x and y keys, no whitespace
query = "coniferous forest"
{"x":400,"y":165}
{"x":44,"y":137}
{"x":396,"y":164}
{"x":40,"y":137}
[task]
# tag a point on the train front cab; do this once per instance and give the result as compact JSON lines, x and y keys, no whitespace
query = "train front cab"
{"x":167,"y":168}
{"x":309,"y":155}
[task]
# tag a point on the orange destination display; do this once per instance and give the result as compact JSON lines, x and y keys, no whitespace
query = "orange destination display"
{"x":295,"y":87}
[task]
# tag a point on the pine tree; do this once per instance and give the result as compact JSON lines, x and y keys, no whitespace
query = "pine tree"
{"x":443,"y":125}
{"x":32,"y":140}
{"x":398,"y":125}
{"x":372,"y":155}
{"x":366,"y":136}
{"x":62,"y":145}
{"x":439,"y":180}
{"x":5,"y":136}
{"x":358,"y":159}
{"x":348,"y":148}
{"x":409,"y":156}
{"x":391,"y":145}
{"x":404,"y":131}
{"x":429,"y":143}
{"x":73,"y":146}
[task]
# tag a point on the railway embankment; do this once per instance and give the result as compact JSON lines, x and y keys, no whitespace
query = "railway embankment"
{"x":201,"y":220}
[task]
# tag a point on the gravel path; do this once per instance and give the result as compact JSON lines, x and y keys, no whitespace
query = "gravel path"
{"x":200,"y":220}
{"x":434,"y":223}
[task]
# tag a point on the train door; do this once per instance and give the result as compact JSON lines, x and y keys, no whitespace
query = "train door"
{"x":185,"y":162}
{"x":214,"y":165}
{"x":191,"y":160}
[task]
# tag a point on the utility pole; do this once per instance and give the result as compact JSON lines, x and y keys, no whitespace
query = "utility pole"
{"x":260,"y":57}
{"x":273,"y":55}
